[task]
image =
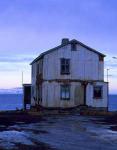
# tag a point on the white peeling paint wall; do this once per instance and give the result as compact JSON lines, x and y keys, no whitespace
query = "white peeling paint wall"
{"x":84,"y":64}
{"x":51,"y":95}
{"x":101,"y":70}
{"x":97,"y":102}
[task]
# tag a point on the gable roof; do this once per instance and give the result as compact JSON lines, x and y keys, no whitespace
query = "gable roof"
{"x":62,"y":45}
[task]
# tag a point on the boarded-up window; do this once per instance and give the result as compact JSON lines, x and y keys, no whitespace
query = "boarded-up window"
{"x":65,"y":92}
{"x":65,"y":66}
{"x":97,"y":93}
{"x":73,"y":46}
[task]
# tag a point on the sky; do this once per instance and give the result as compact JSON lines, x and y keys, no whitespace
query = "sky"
{"x":29,"y":27}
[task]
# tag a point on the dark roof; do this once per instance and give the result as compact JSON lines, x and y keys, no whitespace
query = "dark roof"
{"x":26,"y":84}
{"x":62,"y":45}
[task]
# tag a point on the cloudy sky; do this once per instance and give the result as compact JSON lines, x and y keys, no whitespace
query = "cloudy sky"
{"x":29,"y":27}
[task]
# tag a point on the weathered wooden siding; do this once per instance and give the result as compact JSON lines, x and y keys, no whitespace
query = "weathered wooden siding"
{"x":84,"y":64}
{"x":51,"y":95}
{"x":37,"y":68}
{"x":33,"y":84}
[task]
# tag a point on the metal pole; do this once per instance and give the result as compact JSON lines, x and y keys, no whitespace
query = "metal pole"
{"x":108,"y":89}
{"x":107,"y":75}
{"x":22,"y":77}
{"x":23,"y":92}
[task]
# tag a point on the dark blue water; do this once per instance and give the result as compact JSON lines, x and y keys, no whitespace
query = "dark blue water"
{"x":11,"y":101}
{"x":113,"y":103}
{"x":14,"y":101}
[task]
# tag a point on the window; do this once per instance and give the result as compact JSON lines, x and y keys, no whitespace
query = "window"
{"x":101,"y":58}
{"x":97,"y":93}
{"x":65,"y":92}
{"x":73,"y":46}
{"x":65,"y":66}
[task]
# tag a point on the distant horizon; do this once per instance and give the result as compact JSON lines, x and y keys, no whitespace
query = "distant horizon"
{"x":27,"y":29}
{"x":21,"y":88}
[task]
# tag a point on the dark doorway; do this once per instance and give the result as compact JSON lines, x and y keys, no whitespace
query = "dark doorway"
{"x":27,"y":96}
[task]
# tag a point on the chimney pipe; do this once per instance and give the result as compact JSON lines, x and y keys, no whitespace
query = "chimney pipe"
{"x":65,"y":41}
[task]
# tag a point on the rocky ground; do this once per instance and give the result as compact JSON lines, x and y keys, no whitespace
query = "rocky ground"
{"x":57,"y":132}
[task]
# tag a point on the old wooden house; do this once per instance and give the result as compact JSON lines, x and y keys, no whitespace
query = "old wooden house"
{"x":69,"y":75}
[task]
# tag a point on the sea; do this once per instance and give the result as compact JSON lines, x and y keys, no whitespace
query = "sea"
{"x":15,"y":101}
{"x":11,"y":101}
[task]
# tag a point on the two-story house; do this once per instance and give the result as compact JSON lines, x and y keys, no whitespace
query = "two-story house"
{"x":69,"y":75}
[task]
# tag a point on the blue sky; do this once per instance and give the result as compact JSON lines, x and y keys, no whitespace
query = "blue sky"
{"x":29,"y":27}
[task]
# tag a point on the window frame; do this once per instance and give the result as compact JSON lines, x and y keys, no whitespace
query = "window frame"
{"x":101,"y":88}
{"x":62,"y":86}
{"x":65,"y":65}
{"x":101,"y":58}
{"x":73,"y":46}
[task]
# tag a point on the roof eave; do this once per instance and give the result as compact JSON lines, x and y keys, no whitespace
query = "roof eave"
{"x":48,"y":51}
{"x":88,"y":47}
{"x":78,"y":42}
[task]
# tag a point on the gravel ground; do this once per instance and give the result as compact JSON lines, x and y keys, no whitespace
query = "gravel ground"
{"x":66,"y":132}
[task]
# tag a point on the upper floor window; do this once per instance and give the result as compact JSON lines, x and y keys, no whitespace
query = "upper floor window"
{"x":97,"y":92}
{"x":73,"y":46}
{"x":65,"y":66}
{"x":101,"y":58}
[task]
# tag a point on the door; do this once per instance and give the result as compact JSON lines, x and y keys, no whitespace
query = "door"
{"x":27,"y":95}
{"x":79,"y":95}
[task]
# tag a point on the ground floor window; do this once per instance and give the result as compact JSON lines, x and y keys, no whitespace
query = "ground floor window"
{"x":97,"y":92}
{"x":65,"y":92}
